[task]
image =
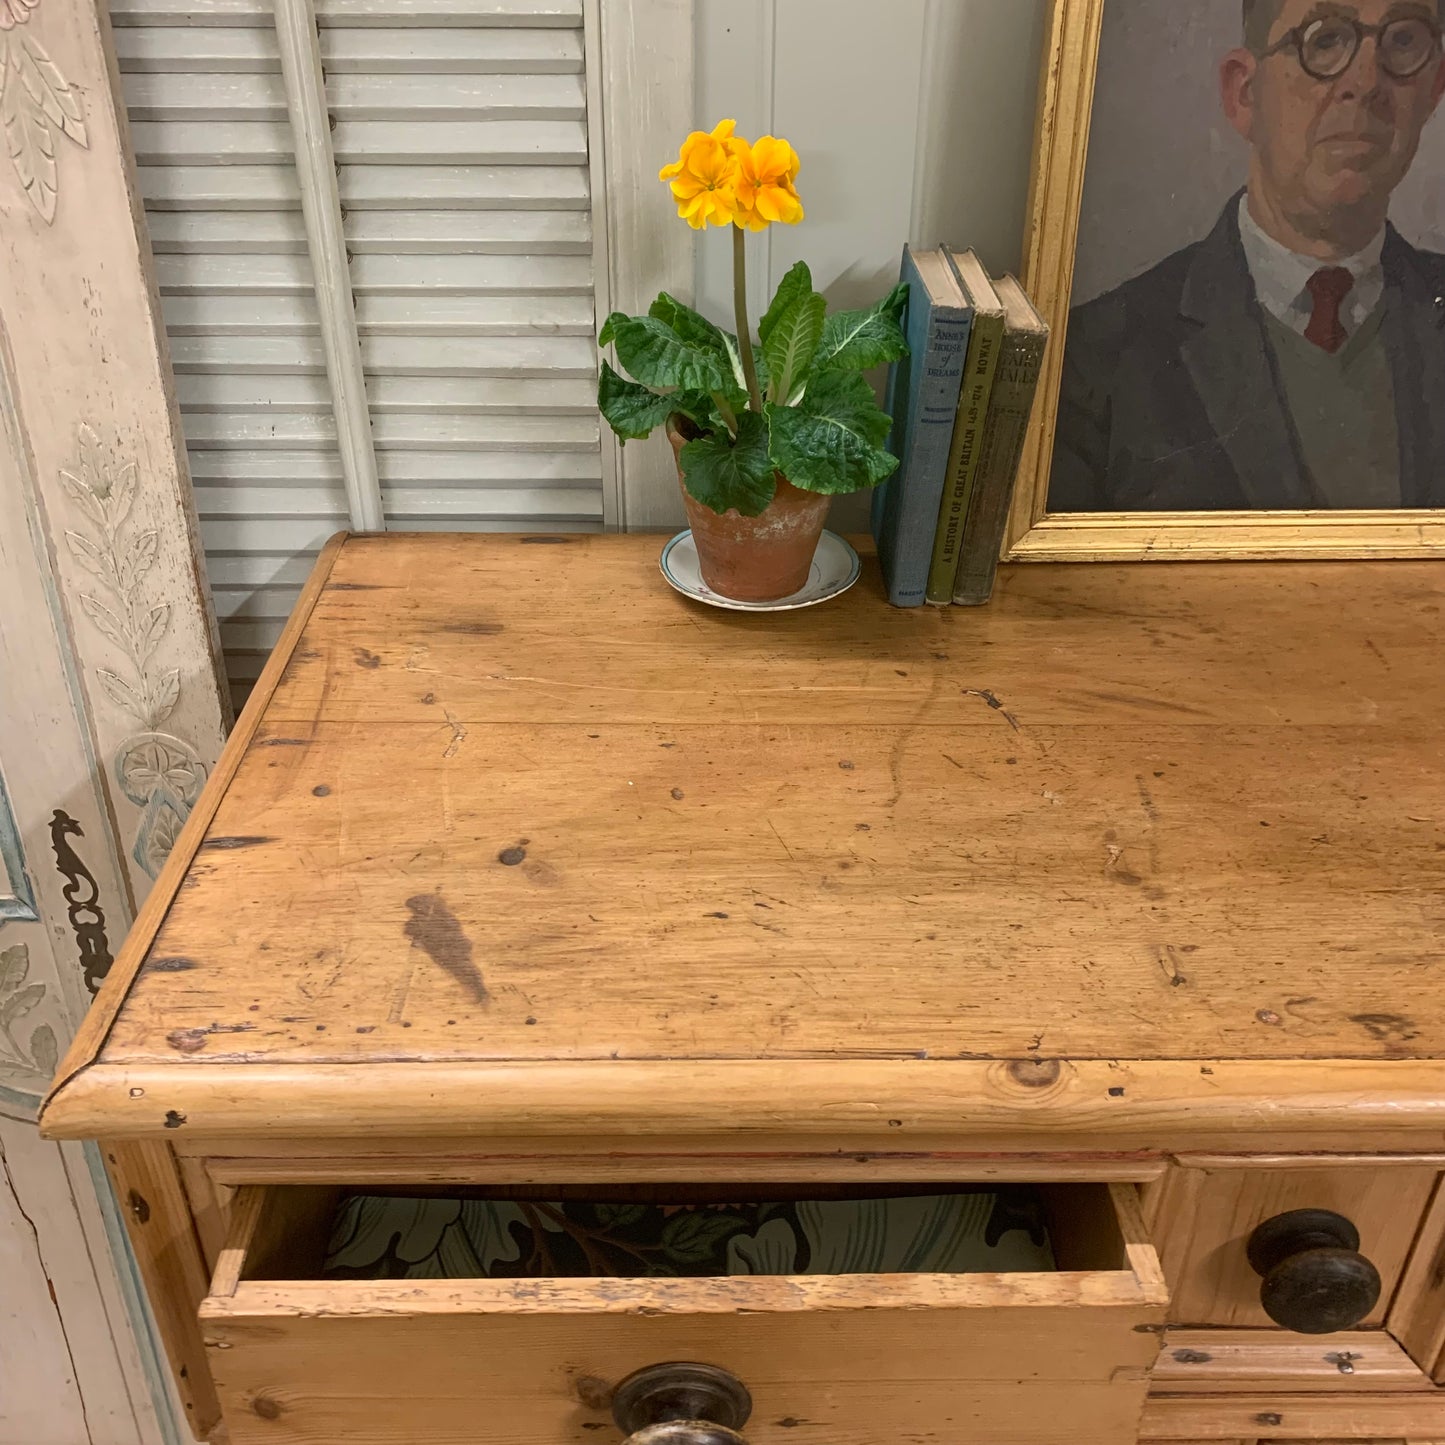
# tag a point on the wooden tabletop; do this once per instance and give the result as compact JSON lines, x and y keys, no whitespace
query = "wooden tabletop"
{"x":514,"y":839}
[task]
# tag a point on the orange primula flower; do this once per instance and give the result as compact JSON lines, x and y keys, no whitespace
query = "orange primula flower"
{"x":766,"y":184}
{"x":704,"y":176}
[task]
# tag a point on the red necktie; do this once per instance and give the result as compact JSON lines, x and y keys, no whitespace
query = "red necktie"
{"x":1328,"y":288}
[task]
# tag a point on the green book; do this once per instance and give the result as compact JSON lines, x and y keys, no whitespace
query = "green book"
{"x":1015,"y":384}
{"x":965,"y":452}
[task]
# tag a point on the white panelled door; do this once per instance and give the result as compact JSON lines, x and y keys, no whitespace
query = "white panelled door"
{"x":110,"y":709}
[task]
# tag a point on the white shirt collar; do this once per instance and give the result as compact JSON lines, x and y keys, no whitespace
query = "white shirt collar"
{"x":1281,"y":276}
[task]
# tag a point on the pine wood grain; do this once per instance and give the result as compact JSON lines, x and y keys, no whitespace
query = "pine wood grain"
{"x":1202,"y":1220}
{"x":1415,"y":1416}
{"x":1212,"y":1362}
{"x":1417,"y":1316}
{"x":517,"y":807}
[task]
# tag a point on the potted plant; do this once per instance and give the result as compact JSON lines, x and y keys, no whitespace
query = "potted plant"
{"x":764,"y":433}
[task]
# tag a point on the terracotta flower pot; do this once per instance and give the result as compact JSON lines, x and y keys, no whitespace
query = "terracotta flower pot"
{"x":754,"y":559}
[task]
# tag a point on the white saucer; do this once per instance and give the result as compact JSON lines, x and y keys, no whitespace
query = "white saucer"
{"x":834,"y":571}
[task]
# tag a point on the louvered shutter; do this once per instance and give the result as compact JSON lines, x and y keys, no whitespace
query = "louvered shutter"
{"x":459,"y":129}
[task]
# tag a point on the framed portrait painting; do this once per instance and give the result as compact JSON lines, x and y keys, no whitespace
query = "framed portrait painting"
{"x":1237,"y":234}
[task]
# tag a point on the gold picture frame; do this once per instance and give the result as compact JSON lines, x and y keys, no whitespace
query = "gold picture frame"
{"x":1061,"y":144}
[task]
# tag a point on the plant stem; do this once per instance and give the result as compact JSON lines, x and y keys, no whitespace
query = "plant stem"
{"x":740,"y":308}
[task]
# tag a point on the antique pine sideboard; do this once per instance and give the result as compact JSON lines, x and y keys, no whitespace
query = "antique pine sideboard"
{"x":521,"y":872}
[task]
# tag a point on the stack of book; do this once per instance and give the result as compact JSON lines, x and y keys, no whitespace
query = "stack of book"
{"x":960,"y":404}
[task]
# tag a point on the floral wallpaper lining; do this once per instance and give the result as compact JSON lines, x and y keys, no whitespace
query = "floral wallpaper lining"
{"x":389,"y":1238}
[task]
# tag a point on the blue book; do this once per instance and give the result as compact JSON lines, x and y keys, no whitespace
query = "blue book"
{"x":922,"y":397}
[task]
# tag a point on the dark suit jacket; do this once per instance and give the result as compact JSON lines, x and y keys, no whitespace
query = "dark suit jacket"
{"x":1170,"y":400}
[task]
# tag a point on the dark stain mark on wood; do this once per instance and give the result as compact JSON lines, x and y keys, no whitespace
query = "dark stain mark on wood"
{"x":530,"y":1021}
{"x":846,"y":765}
{"x":190,"y":1041}
{"x":1116,"y":1092}
{"x":1034,"y":1073}
{"x":995,"y":704}
{"x":543,"y":539}
{"x":476,"y":629}
{"x":1169,"y":966}
{"x":139,"y":1207}
{"x":428,"y":698}
{"x":266,"y":1407}
{"x":1192,"y":1357}
{"x":717,"y":915}
{"x":511,"y":857}
{"x":594,"y":1393}
{"x":230,"y":842}
{"x":434,"y":929}
{"x":1152,"y":704}
{"x":955,"y":762}
{"x":283,"y":743}
{"x":353,"y":587}
{"x":1268,"y":1417}
{"x":321,"y":791}
{"x":594,"y":1424}
{"x":677,"y":795}
{"x":174,"y":1119}
{"x":171,"y":963}
{"x":1387,"y":1028}
{"x":366,"y":1028}
{"x":1146,"y":800}
{"x":365,"y":657}
{"x":1268,"y":1016}
{"x":789,"y":1422}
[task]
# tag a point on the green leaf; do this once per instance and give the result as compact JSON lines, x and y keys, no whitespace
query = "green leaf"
{"x":833,"y":441}
{"x":856,"y":340}
{"x":729,"y":476}
{"x":793,"y":342}
{"x":696,"y":1236}
{"x":694,"y":328}
{"x":657,"y":356}
{"x":619,"y":1216}
{"x":634,"y":411}
{"x":798,"y":282}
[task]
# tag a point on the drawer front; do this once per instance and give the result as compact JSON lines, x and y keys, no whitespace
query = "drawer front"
{"x":839,"y":1360}
{"x":1201,"y":1220}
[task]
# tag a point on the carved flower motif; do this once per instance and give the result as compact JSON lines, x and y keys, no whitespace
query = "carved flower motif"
{"x":15,"y":12}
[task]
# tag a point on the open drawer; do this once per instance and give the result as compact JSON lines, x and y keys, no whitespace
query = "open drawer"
{"x":843,"y":1359}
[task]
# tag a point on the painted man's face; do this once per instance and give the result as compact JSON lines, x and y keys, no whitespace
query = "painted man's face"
{"x":1335,"y":143}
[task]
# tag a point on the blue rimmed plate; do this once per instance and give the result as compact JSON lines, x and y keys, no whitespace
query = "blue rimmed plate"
{"x":835,"y":569}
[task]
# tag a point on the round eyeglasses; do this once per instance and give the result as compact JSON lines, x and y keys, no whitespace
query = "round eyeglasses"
{"x":1327,"y":47}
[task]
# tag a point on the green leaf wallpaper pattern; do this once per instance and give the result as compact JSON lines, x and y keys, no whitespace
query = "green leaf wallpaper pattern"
{"x":386,"y":1238}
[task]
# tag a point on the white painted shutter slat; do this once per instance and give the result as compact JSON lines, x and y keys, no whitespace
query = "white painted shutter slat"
{"x":539,"y":13}
{"x":165,"y":187}
{"x":287,"y":274}
{"x":455,"y":142}
{"x":494,"y":188}
{"x":503,"y":51}
{"x":485,"y":97}
{"x":227,"y":233}
{"x":442,"y":233}
{"x":477,"y":396}
{"x":267,"y":314}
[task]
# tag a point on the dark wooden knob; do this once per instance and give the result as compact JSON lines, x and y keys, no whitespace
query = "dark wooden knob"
{"x":682,"y":1404}
{"x":1315,"y":1279}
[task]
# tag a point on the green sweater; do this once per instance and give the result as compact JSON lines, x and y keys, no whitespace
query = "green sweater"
{"x":1343,"y":410}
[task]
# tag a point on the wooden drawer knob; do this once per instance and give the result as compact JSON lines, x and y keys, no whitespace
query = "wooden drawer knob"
{"x":682,"y":1404}
{"x":1315,"y":1279}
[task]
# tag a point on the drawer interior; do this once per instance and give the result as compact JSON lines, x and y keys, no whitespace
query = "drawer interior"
{"x":829,"y":1359}
{"x":659,"y":1231}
